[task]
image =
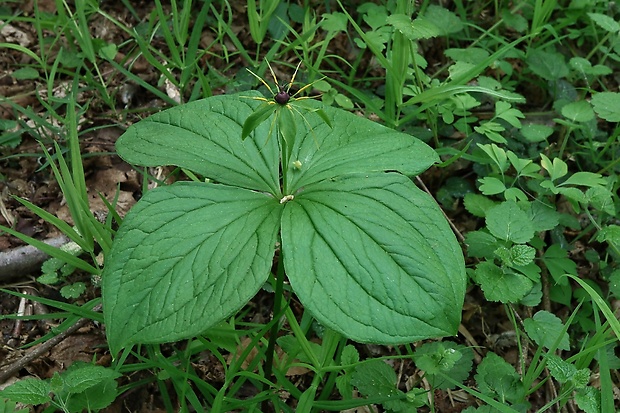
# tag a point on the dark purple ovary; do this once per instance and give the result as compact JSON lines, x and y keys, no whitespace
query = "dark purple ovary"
{"x":282,"y":97}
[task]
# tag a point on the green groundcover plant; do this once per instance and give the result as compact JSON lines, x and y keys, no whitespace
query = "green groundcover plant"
{"x":367,"y":253}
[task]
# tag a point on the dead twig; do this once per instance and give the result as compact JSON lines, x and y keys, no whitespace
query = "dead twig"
{"x":40,"y":350}
{"x":22,"y":261}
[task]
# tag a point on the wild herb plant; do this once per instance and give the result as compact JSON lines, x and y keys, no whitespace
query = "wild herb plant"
{"x":81,"y":387}
{"x":340,"y":220}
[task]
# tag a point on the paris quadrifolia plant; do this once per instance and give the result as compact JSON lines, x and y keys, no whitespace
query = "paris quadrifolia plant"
{"x":368,"y":254}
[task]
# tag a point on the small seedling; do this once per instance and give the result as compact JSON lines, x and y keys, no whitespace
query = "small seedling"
{"x":56,"y":270}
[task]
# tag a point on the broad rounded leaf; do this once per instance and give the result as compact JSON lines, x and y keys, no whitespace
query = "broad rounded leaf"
{"x":546,"y":329}
{"x":186,"y":256}
{"x":205,"y":137}
{"x":502,"y":286}
{"x":510,"y":223}
{"x":371,"y":256}
{"x":607,"y":106}
{"x":454,"y":360}
{"x":352,"y":145}
{"x":580,"y":111}
{"x":548,"y":65}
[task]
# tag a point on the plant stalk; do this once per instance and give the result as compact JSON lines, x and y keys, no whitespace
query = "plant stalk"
{"x":277,"y":312}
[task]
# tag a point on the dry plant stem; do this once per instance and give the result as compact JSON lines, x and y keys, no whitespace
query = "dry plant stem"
{"x":40,"y":350}
{"x":454,"y":228}
{"x":22,"y":261}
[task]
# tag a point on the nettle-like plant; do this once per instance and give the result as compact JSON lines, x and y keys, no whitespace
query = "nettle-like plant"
{"x":367,"y":253}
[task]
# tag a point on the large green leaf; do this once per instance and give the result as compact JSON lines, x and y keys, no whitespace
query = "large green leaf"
{"x":371,"y":256}
{"x":205,"y":137}
{"x":187,"y":256}
{"x":352,"y":144}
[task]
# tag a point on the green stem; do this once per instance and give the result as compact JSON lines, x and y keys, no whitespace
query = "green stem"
{"x":277,"y":310}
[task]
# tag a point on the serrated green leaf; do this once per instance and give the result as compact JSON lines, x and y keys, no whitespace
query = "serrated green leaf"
{"x":531,"y":271}
{"x":480,"y":244}
{"x":508,"y":222}
{"x":81,"y":376}
{"x":499,"y":285}
{"x":376,"y":379}
{"x":588,"y":399}
{"x":375,"y":277}
{"x":447,"y":358}
{"x":521,"y":255}
{"x":607,"y":106}
{"x":374,"y":14}
{"x":477,"y":204}
{"x":545,"y":328}
{"x":601,"y":198}
{"x":447,"y":21}
{"x":496,"y":378}
{"x":349,"y":355}
{"x":610,"y":234}
{"x":73,"y":290}
{"x":49,"y":278}
{"x":605,"y":22}
{"x":334,"y":22}
{"x":377,"y":39}
{"x":548,"y":65}
{"x":94,"y":398}
{"x":420,"y":28}
{"x":186,"y":256}
{"x":543,"y":217}
{"x":28,"y":391}
{"x":459,"y":70}
{"x":614,"y":284}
